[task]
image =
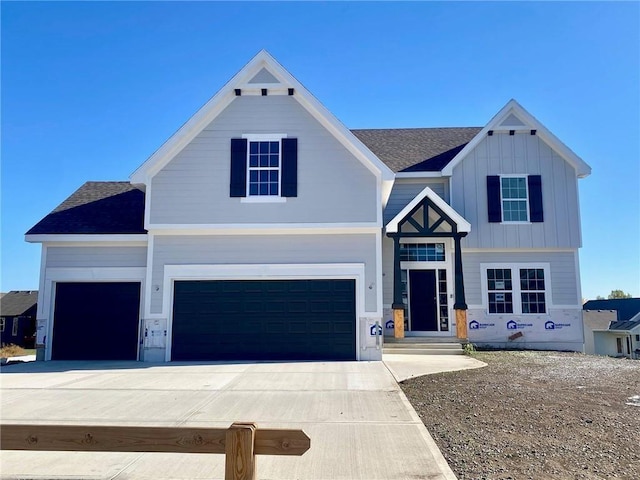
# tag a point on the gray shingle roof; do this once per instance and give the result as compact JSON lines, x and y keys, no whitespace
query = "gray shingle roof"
{"x":118,"y":207}
{"x":17,"y":302}
{"x":624,"y":325}
{"x":416,"y":149}
{"x":626,"y":307}
{"x":97,"y":208}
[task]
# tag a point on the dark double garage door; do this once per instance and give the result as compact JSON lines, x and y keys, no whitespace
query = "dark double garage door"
{"x":212,"y":320}
{"x":264,"y":320}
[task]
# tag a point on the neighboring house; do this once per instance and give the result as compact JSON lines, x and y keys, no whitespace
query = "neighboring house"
{"x":626,"y":308}
{"x":620,"y":339}
{"x":612,"y":327}
{"x":595,"y":320}
{"x":265,"y":229}
{"x":18,"y":318}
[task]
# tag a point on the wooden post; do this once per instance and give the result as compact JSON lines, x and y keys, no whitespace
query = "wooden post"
{"x":461,"y":324}
{"x":398,"y":322}
{"x":240,"y":461}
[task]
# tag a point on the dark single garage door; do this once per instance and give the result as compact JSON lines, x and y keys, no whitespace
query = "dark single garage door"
{"x":96,"y":321}
{"x":264,"y":320}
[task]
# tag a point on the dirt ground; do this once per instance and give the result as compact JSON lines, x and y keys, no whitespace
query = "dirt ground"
{"x":535,"y":415}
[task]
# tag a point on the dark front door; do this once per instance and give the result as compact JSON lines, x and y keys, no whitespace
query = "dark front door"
{"x":96,"y":321}
{"x":264,"y":320}
{"x":423,"y":304}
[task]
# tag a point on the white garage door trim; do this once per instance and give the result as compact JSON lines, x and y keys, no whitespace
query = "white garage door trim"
{"x":347,"y":271}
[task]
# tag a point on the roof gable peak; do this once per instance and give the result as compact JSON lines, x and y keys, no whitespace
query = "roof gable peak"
{"x":262,"y":71}
{"x":514,"y":117}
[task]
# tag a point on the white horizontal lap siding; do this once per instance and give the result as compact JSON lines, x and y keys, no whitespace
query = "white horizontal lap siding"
{"x":61,"y":257}
{"x":405,"y":190}
{"x":264,"y":250}
{"x":503,"y":154}
{"x":333,"y":186}
{"x":564,"y":283}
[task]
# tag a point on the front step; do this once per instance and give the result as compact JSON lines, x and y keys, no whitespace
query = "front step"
{"x":422,"y":346}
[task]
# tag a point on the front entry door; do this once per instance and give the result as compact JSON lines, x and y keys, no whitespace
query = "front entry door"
{"x":422,"y":300}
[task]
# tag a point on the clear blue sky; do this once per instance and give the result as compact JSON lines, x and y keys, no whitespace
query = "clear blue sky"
{"x":90,"y":90}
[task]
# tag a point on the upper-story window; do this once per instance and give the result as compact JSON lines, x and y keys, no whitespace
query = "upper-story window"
{"x":514,"y":198}
{"x":264,"y":168}
{"x":515,"y":203}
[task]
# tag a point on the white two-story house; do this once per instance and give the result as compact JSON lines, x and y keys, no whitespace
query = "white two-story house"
{"x":265,"y":229}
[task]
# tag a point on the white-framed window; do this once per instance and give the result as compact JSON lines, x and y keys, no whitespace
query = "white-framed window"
{"x":14,"y":327}
{"x":520,"y":289}
{"x":514,"y":198}
{"x":2,"y":324}
{"x":264,"y":168}
{"x":422,"y":252}
{"x":500,"y":290}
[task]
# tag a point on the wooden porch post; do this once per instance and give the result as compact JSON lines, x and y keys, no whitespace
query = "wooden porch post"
{"x":398,"y":305}
{"x":460,"y":305}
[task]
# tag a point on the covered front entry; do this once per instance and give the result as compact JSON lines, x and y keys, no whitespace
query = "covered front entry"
{"x":264,"y":320}
{"x":421,"y":259}
{"x":96,"y":321}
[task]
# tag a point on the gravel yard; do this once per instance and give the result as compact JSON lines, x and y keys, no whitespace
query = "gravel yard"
{"x":535,"y":415}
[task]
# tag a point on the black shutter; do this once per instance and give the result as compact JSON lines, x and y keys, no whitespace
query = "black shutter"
{"x":536,"y":213}
{"x":493,"y":199}
{"x":289,"y":167}
{"x":238,"y":184}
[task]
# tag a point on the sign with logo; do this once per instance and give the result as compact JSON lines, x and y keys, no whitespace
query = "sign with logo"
{"x":389,"y":325}
{"x":551,"y":325}
{"x":372,"y":330}
{"x":513,"y":325}
{"x":475,"y":325}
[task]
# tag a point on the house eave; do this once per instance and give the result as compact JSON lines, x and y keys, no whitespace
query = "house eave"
{"x":87,"y":238}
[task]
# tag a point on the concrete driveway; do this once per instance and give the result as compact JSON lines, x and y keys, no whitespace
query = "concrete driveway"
{"x":360,"y":423}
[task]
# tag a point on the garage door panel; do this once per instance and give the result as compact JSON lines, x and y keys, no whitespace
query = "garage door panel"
{"x":277,"y":320}
{"x":96,"y":321}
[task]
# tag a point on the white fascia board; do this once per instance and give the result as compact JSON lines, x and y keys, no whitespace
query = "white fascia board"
{"x":80,"y":238}
{"x":462,"y":224}
{"x":419,"y":175}
{"x":266,"y":229}
{"x":513,"y":107}
{"x":225,"y":96}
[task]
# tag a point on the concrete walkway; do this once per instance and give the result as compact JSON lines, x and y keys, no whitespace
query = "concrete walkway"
{"x":403,"y":367}
{"x":360,"y":423}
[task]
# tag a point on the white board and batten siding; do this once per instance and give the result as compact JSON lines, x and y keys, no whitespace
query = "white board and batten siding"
{"x":525,"y":154}
{"x":267,"y":250}
{"x":333,"y":185}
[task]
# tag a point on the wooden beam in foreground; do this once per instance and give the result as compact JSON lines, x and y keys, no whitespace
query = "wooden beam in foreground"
{"x":145,"y":439}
